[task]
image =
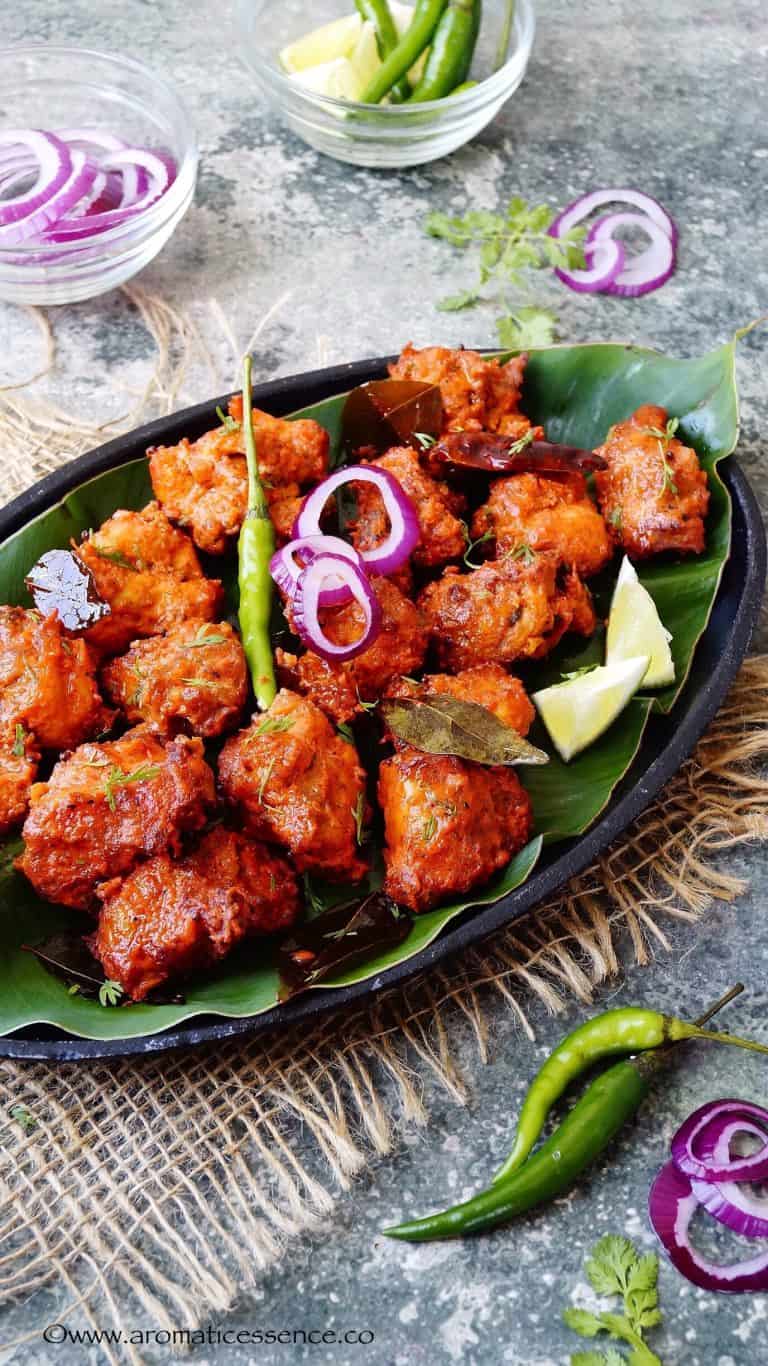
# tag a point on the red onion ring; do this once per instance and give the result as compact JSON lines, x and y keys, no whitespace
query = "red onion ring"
{"x":586,"y":204}
{"x":286,"y":572}
{"x":718,"y":1114}
{"x":646,"y":271}
{"x":126,"y":160}
{"x":54,"y":162}
{"x":306,"y":604}
{"x":607,"y":265}
{"x":737,"y":1206}
{"x":671,"y":1206}
{"x":404,"y":524}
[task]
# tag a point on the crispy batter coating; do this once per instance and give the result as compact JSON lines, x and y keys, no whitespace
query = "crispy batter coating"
{"x":547,"y":514}
{"x":508,"y":609}
{"x":443,"y":535}
{"x":48,"y":681}
{"x":297,"y":783}
{"x":18,"y":769}
{"x":449,"y":825}
{"x":487,"y":684}
{"x":106,"y":806}
{"x":340,"y":688}
{"x":149,"y":573}
{"x":171,"y":917}
{"x":203,"y":484}
{"x":477,"y":394}
{"x":654,"y":492}
{"x":285,"y":502}
{"x":196,"y":675}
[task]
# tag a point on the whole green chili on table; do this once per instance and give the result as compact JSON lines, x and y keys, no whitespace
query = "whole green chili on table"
{"x":417,"y":36}
{"x":450,"y":54}
{"x":607,"y":1104}
{"x":256,"y":547}
{"x":378,"y":13}
{"x":629,"y":1030}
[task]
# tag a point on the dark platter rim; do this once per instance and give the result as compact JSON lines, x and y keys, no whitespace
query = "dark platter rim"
{"x":641,"y":786}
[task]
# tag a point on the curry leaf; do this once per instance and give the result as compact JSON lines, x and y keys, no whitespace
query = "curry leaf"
{"x":449,"y":725}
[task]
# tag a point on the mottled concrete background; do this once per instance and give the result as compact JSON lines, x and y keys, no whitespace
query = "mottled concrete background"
{"x":666,"y":96}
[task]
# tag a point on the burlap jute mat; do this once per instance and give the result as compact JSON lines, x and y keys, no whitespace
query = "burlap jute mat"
{"x":158,"y":1189}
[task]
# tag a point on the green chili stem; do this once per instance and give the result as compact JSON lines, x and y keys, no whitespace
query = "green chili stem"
{"x":256,"y":547}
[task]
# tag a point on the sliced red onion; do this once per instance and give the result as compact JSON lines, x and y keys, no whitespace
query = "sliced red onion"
{"x":403,"y":521}
{"x":306,"y":606}
{"x":586,"y":204}
{"x":81,"y":176}
{"x":690,"y":1158}
{"x":607,"y":263}
{"x":88,"y":138}
{"x":54,"y":162}
{"x":671,"y":1206}
{"x":127,"y":160}
{"x":737,"y":1206}
{"x":286,"y":571}
{"x":646,"y":271}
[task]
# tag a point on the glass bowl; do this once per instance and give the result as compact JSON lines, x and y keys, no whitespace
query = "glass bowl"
{"x":52,"y":87}
{"x":381,"y":135}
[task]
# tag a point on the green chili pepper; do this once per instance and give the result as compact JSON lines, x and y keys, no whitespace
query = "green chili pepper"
{"x":505,"y":37}
{"x":413,"y":42}
{"x":378,"y":13}
{"x":450,"y":54}
{"x":630,"y":1030}
{"x":589,"y":1127}
{"x":607,"y":1104}
{"x":256,"y":547}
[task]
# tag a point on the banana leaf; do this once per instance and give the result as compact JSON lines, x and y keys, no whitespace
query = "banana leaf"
{"x":576,"y":393}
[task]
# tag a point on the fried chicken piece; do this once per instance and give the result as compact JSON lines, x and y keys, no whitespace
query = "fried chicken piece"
{"x":298,"y":784}
{"x":508,"y":609}
{"x":487,"y":684}
{"x":546,"y":513}
{"x":169,"y":917}
{"x":149,"y":573}
{"x":477,"y":394}
{"x":340,"y":689}
{"x":654,"y":492}
{"x":18,"y":769}
{"x":449,"y":825}
{"x":285,"y":502}
{"x":195,"y":674}
{"x":442,"y":534}
{"x":203,"y":484}
{"x":106,"y":806}
{"x":48,"y":681}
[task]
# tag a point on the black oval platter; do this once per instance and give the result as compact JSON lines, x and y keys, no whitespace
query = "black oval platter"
{"x":668,"y":740}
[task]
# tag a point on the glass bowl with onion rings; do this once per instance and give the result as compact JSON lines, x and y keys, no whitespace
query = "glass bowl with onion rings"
{"x":385,"y":135}
{"x":98,"y":164}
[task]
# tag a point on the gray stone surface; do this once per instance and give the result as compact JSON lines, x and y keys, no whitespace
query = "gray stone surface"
{"x":665,"y":96}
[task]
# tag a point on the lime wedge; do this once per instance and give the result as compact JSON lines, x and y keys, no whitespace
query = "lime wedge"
{"x":635,"y":628}
{"x":322,"y":45}
{"x":365,"y":59}
{"x":576,"y":711}
{"x":337,"y":78}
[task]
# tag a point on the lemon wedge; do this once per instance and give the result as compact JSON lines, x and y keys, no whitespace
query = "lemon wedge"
{"x":365,"y":59}
{"x":323,"y":45}
{"x":578,"y":710}
{"x":635,"y":628}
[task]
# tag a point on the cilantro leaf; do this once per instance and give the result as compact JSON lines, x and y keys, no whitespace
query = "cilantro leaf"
{"x":617,"y":1269}
{"x":110,"y":993}
{"x":453,"y":303}
{"x":23,"y":1117}
{"x":508,"y":247}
